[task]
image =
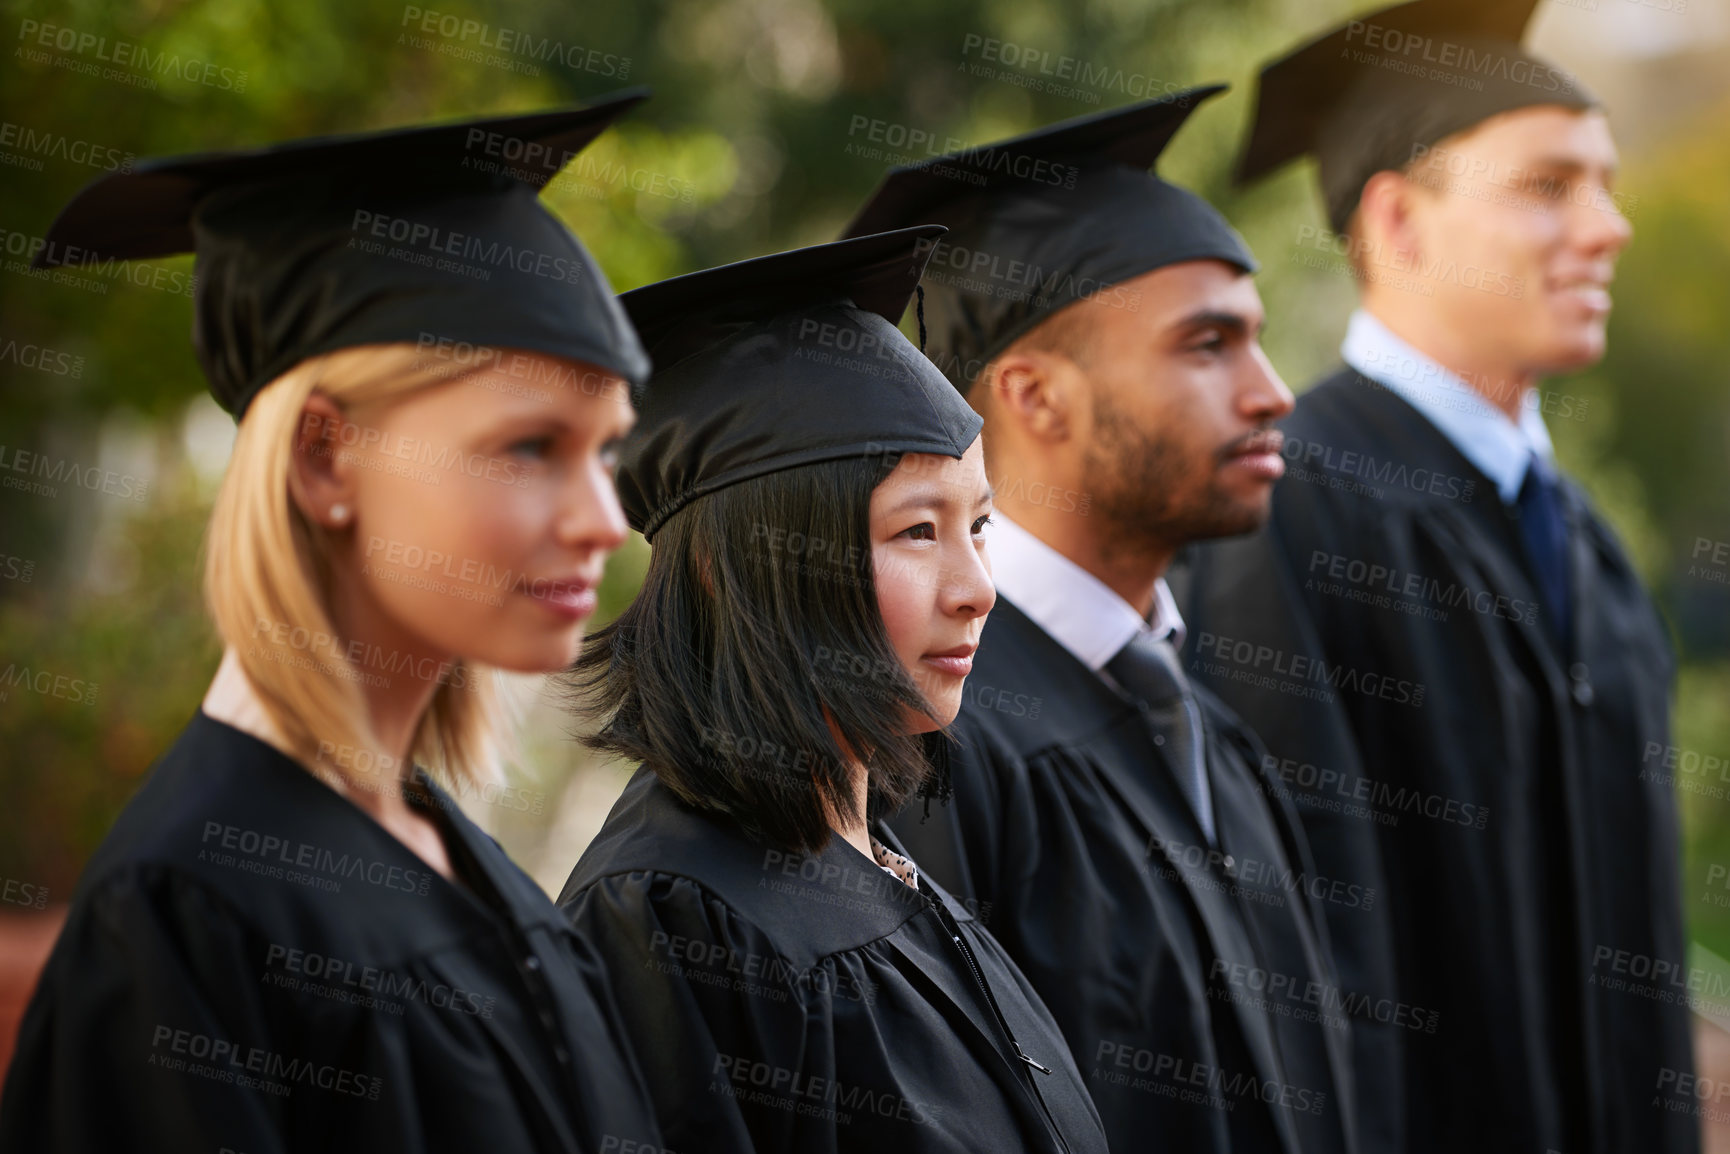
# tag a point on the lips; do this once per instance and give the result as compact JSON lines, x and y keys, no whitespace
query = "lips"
{"x":956,"y":660}
{"x":1258,"y":454}
{"x":1260,"y":442}
{"x":1594,"y":294}
{"x":570,"y":597}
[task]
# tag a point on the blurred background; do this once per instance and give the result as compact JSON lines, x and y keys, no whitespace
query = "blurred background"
{"x":771,"y":121}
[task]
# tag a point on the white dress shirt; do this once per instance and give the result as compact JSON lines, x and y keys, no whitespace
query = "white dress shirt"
{"x":1076,"y":608}
{"x":1482,"y":433}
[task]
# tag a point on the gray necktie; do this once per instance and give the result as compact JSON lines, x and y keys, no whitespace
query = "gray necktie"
{"x":1149,"y":669}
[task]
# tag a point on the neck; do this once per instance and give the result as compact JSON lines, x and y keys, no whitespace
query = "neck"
{"x":1503,"y":385}
{"x":233,"y":700}
{"x":1131,"y":572}
{"x":396,"y":705}
{"x":856,"y":833}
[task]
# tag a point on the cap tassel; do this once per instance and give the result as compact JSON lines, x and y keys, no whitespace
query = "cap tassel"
{"x":920,"y":290}
{"x":939,"y":786}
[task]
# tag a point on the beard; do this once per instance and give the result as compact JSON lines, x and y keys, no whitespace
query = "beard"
{"x":1154,"y":492}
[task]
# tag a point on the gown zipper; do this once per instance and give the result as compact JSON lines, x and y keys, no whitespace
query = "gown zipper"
{"x":953,"y":929}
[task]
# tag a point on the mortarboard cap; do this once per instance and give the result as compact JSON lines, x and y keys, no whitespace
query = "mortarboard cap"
{"x":1043,"y":220}
{"x":1371,"y":94}
{"x":308,"y":246}
{"x":782,"y":361}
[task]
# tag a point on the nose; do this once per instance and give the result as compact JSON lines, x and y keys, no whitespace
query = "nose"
{"x":1598,"y":226}
{"x":1263,"y":397}
{"x":968,"y":590}
{"x":590,"y":516}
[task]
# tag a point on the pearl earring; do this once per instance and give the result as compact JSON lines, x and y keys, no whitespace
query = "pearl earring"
{"x":339,"y":514}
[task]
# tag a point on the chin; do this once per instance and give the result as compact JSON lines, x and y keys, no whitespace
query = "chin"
{"x":540,"y":656}
{"x":1573,"y":351}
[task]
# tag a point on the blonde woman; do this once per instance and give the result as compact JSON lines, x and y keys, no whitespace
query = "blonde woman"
{"x":292,"y":939}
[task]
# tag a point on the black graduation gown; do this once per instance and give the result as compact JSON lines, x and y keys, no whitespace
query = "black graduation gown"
{"x":1493,"y":783}
{"x":810,"y":1004}
{"x":253,"y":964}
{"x":1192,"y":986}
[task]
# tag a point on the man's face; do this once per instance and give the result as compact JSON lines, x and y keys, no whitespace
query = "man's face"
{"x":1517,"y":229}
{"x":1179,"y":445}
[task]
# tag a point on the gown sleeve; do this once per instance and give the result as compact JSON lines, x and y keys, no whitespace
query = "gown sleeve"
{"x":127,"y":1043}
{"x":729,"y":1044}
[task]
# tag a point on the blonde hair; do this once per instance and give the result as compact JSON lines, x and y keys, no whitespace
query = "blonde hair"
{"x":267,"y":568}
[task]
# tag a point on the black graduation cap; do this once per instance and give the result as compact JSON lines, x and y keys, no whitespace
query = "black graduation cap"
{"x":781,"y":361}
{"x":1043,"y":220}
{"x":420,"y":234}
{"x":1372,"y":93}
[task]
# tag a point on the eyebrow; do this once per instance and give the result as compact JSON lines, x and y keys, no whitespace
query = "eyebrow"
{"x":1235,"y":323}
{"x":936,"y":496}
{"x":1570,"y":165}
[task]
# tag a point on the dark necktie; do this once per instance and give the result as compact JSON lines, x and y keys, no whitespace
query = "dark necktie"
{"x":1544,"y":531}
{"x":1149,"y":670}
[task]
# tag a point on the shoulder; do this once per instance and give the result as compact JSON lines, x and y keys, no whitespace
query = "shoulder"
{"x":1028,"y":696}
{"x":1344,"y":402}
{"x":145,"y":924}
{"x":658,"y":862}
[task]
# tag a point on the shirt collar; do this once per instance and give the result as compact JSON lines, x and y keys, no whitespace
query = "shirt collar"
{"x":1078,"y":610}
{"x":1481,"y":432}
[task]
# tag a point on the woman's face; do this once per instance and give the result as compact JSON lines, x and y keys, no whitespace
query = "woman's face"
{"x":933,"y":578}
{"x":480,"y":512}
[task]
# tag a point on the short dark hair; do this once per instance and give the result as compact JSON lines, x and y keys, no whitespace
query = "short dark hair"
{"x":758,"y":614}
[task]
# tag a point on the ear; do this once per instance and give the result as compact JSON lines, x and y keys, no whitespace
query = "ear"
{"x":1387,"y":223}
{"x":1036,"y":390}
{"x":319,"y":479}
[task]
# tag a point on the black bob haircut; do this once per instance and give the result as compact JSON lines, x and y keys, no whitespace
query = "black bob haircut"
{"x":757,"y":622}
